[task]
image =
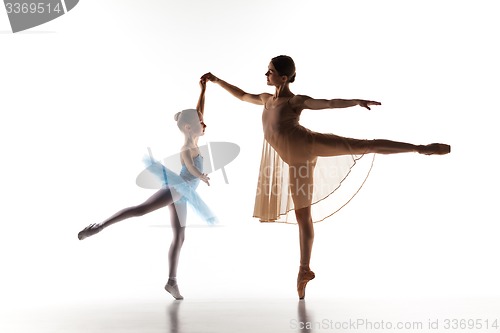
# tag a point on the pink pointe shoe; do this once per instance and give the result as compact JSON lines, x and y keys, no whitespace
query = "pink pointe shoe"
{"x":305,"y":275}
{"x":435,"y":149}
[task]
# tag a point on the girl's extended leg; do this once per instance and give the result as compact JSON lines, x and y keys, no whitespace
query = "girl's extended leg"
{"x":178,"y":212}
{"x":333,"y":145}
{"x":161,"y":198}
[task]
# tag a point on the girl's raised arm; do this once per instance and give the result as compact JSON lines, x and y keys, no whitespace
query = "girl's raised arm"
{"x":200,"y":107}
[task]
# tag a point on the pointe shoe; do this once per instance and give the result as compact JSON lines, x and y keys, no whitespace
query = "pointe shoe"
{"x":174,"y":291}
{"x":435,"y":149}
{"x":89,"y":231}
{"x":302,"y":279}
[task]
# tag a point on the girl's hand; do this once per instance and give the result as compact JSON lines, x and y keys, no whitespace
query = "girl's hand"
{"x":366,"y":104}
{"x":205,"y":179}
{"x":210,"y":77}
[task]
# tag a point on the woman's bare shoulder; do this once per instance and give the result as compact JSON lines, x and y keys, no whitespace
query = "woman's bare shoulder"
{"x":265,"y":96}
{"x":297,"y":101}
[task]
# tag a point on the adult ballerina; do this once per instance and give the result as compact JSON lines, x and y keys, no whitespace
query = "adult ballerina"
{"x":300,"y":147}
{"x":177,"y":191}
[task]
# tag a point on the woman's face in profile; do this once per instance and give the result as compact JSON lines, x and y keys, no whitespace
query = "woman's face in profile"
{"x":273,"y":77}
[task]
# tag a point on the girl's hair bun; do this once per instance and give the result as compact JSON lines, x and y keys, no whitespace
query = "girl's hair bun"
{"x":177,"y":116}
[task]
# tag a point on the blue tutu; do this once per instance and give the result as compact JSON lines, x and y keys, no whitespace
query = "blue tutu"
{"x":185,"y":184}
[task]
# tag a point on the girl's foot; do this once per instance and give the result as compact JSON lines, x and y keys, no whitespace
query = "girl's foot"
{"x":305,"y":275}
{"x":173,"y":289}
{"x":434,"y":149}
{"x":89,"y":231}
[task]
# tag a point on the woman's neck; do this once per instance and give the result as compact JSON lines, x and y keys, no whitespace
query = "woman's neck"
{"x":282,"y":91}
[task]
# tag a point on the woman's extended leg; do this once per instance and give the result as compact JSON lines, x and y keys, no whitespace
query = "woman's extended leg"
{"x":333,"y":145}
{"x":178,"y":211}
{"x":161,"y":198}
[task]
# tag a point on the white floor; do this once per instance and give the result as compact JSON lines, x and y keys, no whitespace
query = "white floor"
{"x":266,"y":315}
{"x":242,"y":279}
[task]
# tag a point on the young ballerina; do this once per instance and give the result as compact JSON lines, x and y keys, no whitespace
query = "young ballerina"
{"x":299,"y":148}
{"x":175,"y":195}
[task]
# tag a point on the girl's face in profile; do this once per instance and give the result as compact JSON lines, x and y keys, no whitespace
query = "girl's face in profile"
{"x":195,"y":125}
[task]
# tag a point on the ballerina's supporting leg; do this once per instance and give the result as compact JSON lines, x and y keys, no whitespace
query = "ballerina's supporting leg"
{"x":178,"y":212}
{"x":306,"y":235}
{"x":301,"y":186}
{"x":161,"y":198}
{"x":306,"y":238}
{"x":333,"y":145}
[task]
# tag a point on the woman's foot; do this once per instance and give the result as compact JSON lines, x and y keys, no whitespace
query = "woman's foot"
{"x":173,"y":289}
{"x":305,"y":275}
{"x":434,"y":149}
{"x":89,"y":231}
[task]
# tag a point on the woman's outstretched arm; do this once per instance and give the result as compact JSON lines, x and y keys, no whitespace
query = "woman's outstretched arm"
{"x":258,"y":99}
{"x":307,"y":102}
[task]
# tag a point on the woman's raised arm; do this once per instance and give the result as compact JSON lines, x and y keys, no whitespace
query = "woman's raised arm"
{"x":258,"y":99}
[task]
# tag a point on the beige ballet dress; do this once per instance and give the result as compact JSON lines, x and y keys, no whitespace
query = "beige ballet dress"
{"x":301,"y":168}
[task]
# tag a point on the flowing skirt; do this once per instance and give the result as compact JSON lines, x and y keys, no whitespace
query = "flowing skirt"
{"x":330,"y":193}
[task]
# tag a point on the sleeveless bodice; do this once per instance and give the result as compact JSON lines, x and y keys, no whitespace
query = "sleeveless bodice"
{"x":278,"y":121}
{"x":187,"y":176}
{"x":283,"y":132}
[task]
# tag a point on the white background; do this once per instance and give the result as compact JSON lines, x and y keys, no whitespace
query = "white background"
{"x":82,"y":97}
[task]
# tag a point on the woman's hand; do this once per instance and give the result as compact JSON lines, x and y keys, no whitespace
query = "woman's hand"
{"x":366,"y":104}
{"x":210,"y":77}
